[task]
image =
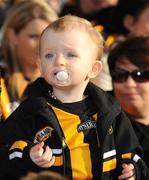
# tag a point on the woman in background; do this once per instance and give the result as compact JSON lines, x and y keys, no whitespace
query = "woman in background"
{"x":21,"y":31}
{"x":129,"y":17}
{"x":129,"y":67}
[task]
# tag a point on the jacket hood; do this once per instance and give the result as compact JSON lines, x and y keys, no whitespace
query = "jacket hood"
{"x":102,"y":99}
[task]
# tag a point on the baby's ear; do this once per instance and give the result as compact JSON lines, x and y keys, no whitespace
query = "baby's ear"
{"x":96,"y":68}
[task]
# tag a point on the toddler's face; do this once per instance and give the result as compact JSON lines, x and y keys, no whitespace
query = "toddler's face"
{"x":67,"y":58}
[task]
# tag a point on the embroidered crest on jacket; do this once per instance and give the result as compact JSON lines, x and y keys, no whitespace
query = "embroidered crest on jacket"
{"x":89,"y":124}
{"x":43,"y":134}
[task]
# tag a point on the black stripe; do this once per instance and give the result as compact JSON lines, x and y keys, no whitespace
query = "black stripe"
{"x":91,"y":138}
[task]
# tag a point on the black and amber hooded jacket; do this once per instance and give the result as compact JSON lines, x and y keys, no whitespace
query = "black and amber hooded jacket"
{"x":88,"y":145}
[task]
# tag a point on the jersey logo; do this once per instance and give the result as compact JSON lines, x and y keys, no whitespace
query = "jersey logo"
{"x":43,"y":134}
{"x":89,"y":124}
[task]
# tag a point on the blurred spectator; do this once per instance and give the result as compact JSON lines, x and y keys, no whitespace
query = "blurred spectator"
{"x":44,"y":175}
{"x":56,"y":5}
{"x":97,"y":11}
{"x":131,"y":16}
{"x":87,"y":7}
{"x":129,"y":67}
{"x":3,"y":9}
{"x":21,"y":31}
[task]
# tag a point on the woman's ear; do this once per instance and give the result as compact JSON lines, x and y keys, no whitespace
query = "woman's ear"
{"x":96,"y":68}
{"x":128,"y":23}
{"x":12,"y":36}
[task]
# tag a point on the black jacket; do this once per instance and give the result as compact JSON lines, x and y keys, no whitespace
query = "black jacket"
{"x":142,"y":132}
{"x":118,"y":142}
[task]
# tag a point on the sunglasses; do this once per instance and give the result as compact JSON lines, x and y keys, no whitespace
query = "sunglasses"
{"x":138,"y":75}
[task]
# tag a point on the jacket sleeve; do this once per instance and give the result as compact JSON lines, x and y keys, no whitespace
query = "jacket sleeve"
{"x":15,"y":143}
{"x":128,"y":147}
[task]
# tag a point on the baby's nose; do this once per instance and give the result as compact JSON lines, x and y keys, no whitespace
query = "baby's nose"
{"x":60,"y":60}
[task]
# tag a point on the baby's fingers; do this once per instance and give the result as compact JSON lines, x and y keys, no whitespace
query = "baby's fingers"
{"x":127,"y":172}
{"x":47,"y":164}
{"x":46,"y":159}
{"x":37,"y":151}
{"x":127,"y":176}
{"x":37,"y":147}
{"x":47,"y":155}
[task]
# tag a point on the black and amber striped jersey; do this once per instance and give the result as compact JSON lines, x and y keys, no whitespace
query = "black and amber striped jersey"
{"x":10,"y":101}
{"x":78,"y":123}
{"x":90,"y":139}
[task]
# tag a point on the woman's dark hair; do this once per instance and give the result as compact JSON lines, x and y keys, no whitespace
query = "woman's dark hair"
{"x":133,"y":8}
{"x":134,"y":48}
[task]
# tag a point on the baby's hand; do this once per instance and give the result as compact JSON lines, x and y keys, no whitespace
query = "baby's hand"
{"x":127,"y":172}
{"x":42,"y":156}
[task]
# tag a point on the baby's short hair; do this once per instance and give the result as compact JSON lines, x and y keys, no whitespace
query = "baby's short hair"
{"x":70,"y":22}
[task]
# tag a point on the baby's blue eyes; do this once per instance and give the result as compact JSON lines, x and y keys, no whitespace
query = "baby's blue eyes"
{"x":71,"y":55}
{"x":66,"y":55}
{"x":49,"y":55}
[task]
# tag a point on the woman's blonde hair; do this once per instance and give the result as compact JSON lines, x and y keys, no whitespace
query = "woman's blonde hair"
{"x":17,"y":18}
